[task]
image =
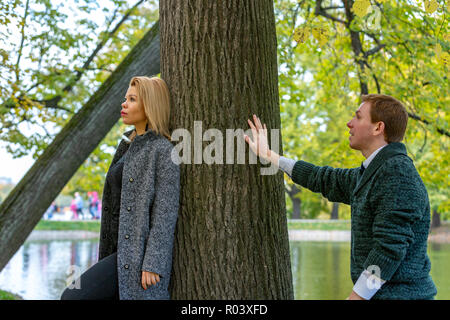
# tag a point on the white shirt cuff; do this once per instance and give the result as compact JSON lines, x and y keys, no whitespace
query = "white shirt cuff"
{"x":287,"y":165}
{"x":367,"y":285}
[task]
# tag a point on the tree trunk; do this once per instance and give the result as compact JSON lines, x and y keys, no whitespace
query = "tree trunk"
{"x":296,"y":202}
{"x":25,"y":205}
{"x":335,"y":211}
{"x":436,"y":219}
{"x":219,"y":59}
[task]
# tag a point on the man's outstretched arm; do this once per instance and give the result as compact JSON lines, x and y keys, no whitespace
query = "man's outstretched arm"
{"x":334,"y":183}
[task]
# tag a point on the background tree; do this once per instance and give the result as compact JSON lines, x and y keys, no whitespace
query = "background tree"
{"x":331,"y":52}
{"x":58,"y":56}
{"x":30,"y":198}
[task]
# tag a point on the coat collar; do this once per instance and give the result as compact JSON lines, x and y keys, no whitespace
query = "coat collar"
{"x":124,"y":145}
{"x":391,"y":150}
{"x":148,"y":134}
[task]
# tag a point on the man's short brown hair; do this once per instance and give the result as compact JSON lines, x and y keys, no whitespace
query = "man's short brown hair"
{"x":391,"y":112}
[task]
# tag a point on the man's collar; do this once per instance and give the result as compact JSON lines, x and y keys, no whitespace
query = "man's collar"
{"x":390,"y":150}
{"x":370,"y":158}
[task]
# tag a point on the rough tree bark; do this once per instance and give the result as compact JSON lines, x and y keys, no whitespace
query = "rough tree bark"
{"x":219,"y":59}
{"x":27,"y":202}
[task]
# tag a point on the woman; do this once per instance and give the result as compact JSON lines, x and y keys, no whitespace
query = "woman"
{"x":139,"y":204}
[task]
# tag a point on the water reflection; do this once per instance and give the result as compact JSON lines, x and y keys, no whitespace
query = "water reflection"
{"x":320,"y":270}
{"x":39,"y":269}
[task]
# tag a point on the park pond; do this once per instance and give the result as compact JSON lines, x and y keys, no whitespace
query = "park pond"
{"x":320,"y":269}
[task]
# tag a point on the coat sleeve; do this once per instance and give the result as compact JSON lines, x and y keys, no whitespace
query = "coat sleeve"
{"x":335,"y":184}
{"x":163,"y":216}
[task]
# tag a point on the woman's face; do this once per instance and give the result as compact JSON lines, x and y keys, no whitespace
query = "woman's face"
{"x":132,"y":111}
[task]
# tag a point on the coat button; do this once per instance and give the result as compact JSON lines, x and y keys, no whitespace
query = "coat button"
{"x":125,"y":266}
{"x":106,"y":208}
{"x":127,"y":236}
{"x":129,"y":208}
{"x":104,"y":236}
{"x":131,"y":179}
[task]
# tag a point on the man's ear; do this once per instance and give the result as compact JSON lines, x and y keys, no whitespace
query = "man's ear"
{"x":379,"y":128}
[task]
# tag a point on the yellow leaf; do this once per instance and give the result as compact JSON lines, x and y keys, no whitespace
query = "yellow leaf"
{"x":340,"y":29}
{"x":321,"y":34}
{"x":447,"y":37}
{"x":430,"y":5}
{"x":360,"y":7}
{"x":445,"y":59}
{"x":438,"y":50}
{"x":301,"y":34}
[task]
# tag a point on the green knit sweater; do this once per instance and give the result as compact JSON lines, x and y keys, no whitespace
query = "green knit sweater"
{"x":390,"y":219}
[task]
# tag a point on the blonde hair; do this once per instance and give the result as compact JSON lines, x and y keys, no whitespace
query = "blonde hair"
{"x":153,"y":95}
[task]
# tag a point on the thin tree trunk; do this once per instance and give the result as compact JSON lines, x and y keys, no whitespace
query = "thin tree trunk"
{"x":219,"y":59}
{"x":335,"y":211}
{"x":436,"y":219}
{"x":296,"y":202}
{"x":25,"y":205}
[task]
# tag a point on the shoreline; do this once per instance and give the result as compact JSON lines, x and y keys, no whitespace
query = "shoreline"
{"x":440,"y":235}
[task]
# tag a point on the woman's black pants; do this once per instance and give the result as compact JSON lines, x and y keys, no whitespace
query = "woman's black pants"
{"x":99,"y":282}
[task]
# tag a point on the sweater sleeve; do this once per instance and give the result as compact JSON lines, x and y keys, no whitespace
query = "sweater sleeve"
{"x":164,"y":214}
{"x":396,"y":201}
{"x":335,"y":184}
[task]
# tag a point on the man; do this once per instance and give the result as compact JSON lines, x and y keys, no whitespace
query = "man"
{"x":390,"y":210}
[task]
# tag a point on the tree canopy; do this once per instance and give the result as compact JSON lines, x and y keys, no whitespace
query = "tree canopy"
{"x":53,"y":56}
{"x":332,"y":52}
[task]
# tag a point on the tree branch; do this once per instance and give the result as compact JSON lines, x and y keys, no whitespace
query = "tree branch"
{"x":374,"y":50}
{"x":334,"y":7}
{"x":53,"y":102}
{"x":321,"y":11}
{"x":101,"y":44}
{"x":440,"y":130}
{"x":19,"y":55}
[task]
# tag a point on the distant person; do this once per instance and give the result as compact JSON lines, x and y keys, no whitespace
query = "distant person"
{"x":91,"y":205}
{"x":51,"y":210}
{"x":99,"y":209}
{"x":390,"y":208}
{"x":79,"y":203}
{"x":95,"y":204}
{"x":73,"y":208}
{"x":140,"y":204}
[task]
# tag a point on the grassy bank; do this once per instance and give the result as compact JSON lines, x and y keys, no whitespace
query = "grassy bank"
{"x":5,"y":295}
{"x":319,"y":225}
{"x":68,"y":225}
{"x":95,"y":225}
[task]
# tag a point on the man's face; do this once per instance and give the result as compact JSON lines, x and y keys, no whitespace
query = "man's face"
{"x":132,"y":111}
{"x":361,"y":128}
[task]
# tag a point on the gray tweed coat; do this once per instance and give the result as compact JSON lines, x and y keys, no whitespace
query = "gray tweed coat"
{"x":142,"y":232}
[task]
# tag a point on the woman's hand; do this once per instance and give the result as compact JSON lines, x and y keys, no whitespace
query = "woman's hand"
{"x":260,"y":145}
{"x":149,"y":278}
